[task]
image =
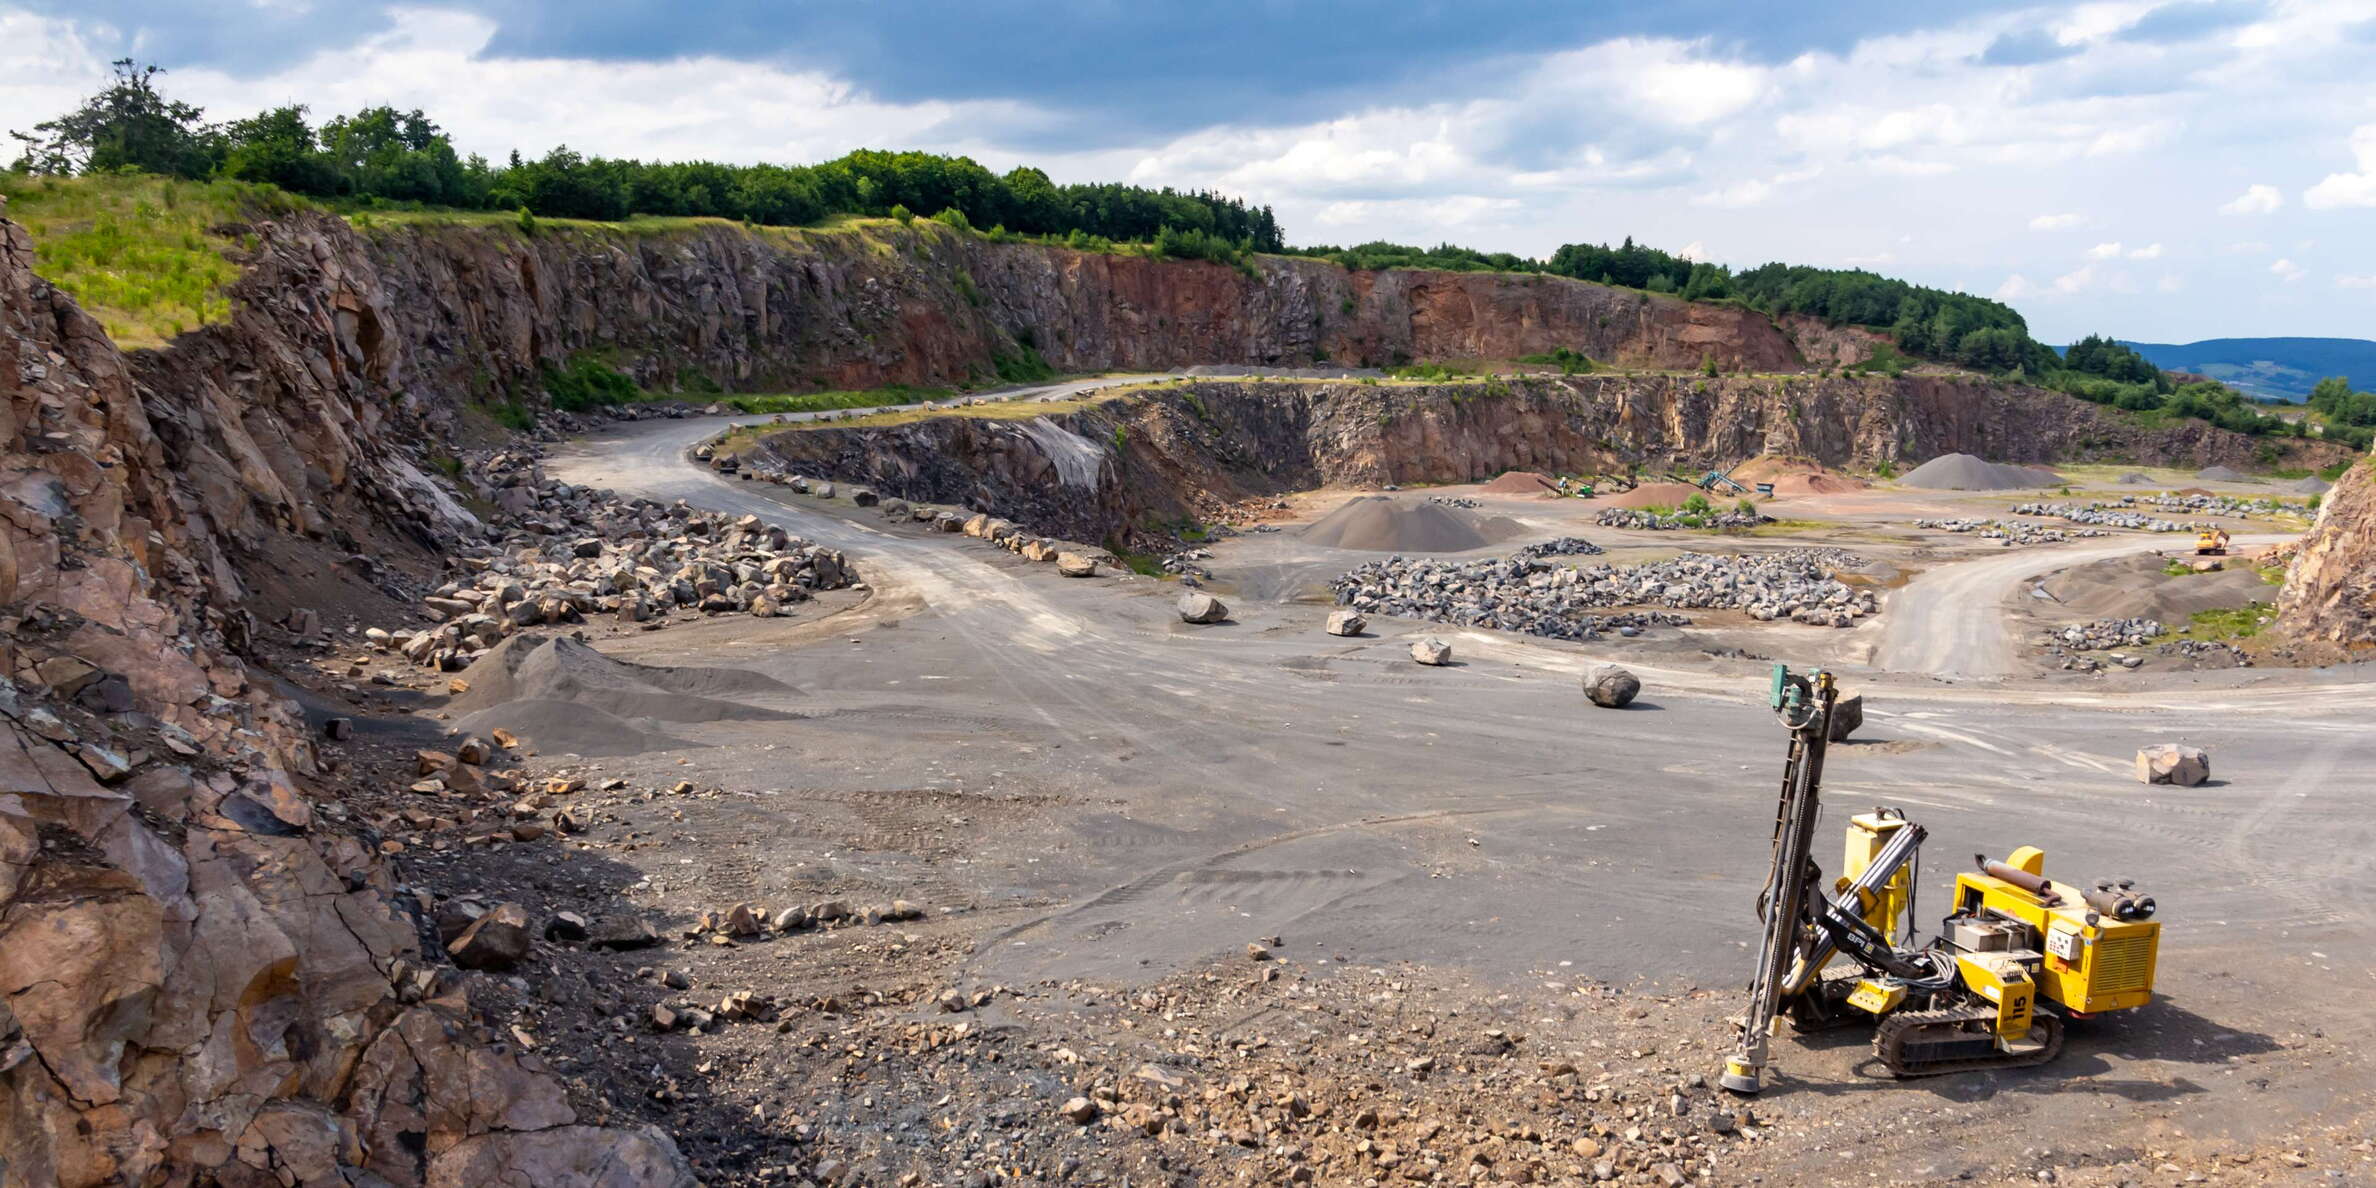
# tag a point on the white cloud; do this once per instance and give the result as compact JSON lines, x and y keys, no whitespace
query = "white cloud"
{"x":2015,"y":288}
{"x":2075,"y":281}
{"x":2103,"y":251}
{"x":2288,"y":271}
{"x":2349,"y":189}
{"x":1695,"y":250}
{"x":2255,"y":200}
{"x":2151,"y":251}
{"x":2349,"y":281}
{"x":2055,"y":222}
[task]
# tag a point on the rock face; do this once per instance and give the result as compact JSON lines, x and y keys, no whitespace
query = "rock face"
{"x":1611,"y":687}
{"x":1198,"y":607}
{"x":1187,"y":451}
{"x":1431,"y":651}
{"x":2172,"y":763}
{"x":2330,"y":592}
{"x":198,"y":973}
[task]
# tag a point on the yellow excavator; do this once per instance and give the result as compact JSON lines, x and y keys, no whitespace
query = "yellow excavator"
{"x":2017,"y":955}
{"x":2210,"y":541}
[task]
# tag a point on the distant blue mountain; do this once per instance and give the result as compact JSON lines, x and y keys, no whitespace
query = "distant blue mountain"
{"x":2283,"y":368}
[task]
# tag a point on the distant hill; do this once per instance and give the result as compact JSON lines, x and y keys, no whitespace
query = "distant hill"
{"x":2283,"y":368}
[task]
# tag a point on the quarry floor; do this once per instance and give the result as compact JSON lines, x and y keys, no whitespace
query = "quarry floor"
{"x":1463,"y":881}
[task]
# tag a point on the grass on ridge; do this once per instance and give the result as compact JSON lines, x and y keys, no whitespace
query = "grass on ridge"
{"x":143,"y":254}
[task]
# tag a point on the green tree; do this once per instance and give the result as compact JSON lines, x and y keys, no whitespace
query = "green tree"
{"x":278,"y":147}
{"x":129,"y":124}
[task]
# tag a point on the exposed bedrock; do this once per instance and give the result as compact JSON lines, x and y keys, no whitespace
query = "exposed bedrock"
{"x":2330,"y":593}
{"x":1179,"y":452}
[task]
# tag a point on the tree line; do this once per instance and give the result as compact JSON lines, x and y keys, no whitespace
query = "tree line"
{"x":382,"y":156}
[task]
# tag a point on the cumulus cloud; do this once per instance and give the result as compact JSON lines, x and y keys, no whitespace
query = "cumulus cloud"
{"x":2015,"y":288}
{"x":2151,"y":251}
{"x":2288,"y":271}
{"x":2103,"y":251}
{"x":2349,"y":189}
{"x":2258,"y":199}
{"x":2055,"y":222}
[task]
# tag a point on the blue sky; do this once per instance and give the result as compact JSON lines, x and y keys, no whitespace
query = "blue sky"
{"x":2151,"y":169}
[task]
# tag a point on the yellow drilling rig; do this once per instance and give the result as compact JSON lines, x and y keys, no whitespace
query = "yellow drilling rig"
{"x":2017,"y":955}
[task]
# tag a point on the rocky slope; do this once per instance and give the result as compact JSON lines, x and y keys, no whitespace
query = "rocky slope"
{"x":200,"y":961}
{"x":2330,"y":593}
{"x":1177,"y":452}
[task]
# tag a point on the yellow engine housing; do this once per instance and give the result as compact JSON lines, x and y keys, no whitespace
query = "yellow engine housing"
{"x":2106,"y":965}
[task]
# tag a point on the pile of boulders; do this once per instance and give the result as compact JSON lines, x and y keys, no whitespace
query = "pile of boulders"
{"x":2217,"y":505}
{"x":574,"y":552}
{"x":1006,"y":534}
{"x":1455,"y":501}
{"x":2100,"y":515}
{"x":2014,"y":533}
{"x":1564,"y":546}
{"x":1643,"y":520}
{"x":2207,"y":653}
{"x":1541,"y":598}
{"x":2101,"y":634}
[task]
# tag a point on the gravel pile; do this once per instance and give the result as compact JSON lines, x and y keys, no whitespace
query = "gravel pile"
{"x":2207,"y":653}
{"x":1646,"y":521}
{"x":1454,"y":501}
{"x":2015,"y":533}
{"x":1963,"y":472}
{"x":1540,"y":598}
{"x":575,"y":551}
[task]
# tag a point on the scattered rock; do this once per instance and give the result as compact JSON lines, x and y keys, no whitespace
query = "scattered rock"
{"x":1431,"y":651}
{"x":2173,"y":763}
{"x":1075,"y":565}
{"x":1347,"y":623}
{"x":1846,"y":716}
{"x":1198,"y":607}
{"x":495,"y":941}
{"x":1611,"y":687}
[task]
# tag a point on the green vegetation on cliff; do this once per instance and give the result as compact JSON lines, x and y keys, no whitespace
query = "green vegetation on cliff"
{"x":150,"y":257}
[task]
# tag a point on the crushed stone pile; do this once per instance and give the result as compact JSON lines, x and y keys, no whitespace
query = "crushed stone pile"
{"x":1795,"y":476}
{"x":2098,"y":634}
{"x":1564,"y":546}
{"x":1381,"y":523}
{"x":2224,"y":474}
{"x":1541,"y":598}
{"x":2311,"y":485}
{"x":2139,"y":587}
{"x":562,"y":696}
{"x":2014,"y":533}
{"x":575,"y":551}
{"x":2133,"y":479}
{"x":1963,"y":472}
{"x":1520,"y":482}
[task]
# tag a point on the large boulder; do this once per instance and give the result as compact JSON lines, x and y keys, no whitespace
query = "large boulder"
{"x":2172,"y":763}
{"x":1847,"y":714}
{"x":1197,"y":606}
{"x":1346,"y":623}
{"x":495,"y":941}
{"x":1431,"y":651}
{"x":1611,"y":687}
{"x":1075,"y":565}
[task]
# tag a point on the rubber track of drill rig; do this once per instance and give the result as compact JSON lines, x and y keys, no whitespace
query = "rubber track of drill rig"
{"x":1896,"y":1030}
